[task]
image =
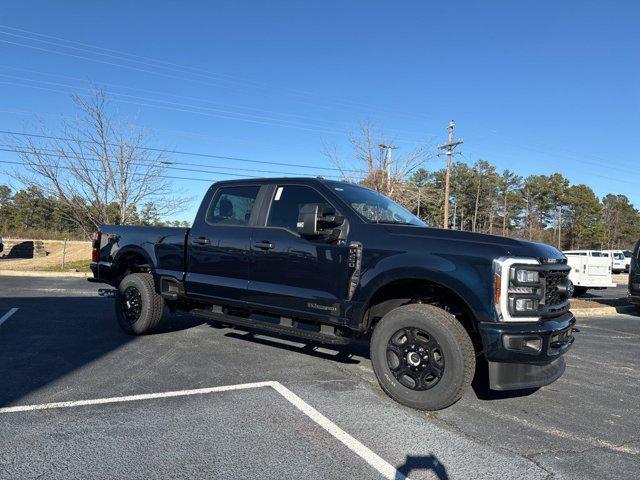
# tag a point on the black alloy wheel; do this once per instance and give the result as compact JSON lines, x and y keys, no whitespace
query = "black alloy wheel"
{"x":415,"y":358}
{"x":131,"y":304}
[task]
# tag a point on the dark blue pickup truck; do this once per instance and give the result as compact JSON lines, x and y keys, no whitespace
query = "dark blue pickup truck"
{"x":331,"y":262}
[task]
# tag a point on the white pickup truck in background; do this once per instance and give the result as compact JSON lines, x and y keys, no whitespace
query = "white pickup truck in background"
{"x":618,"y":260}
{"x":590,"y":269}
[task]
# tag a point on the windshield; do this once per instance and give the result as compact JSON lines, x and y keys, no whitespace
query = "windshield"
{"x":374,"y":207}
{"x":618,"y":256}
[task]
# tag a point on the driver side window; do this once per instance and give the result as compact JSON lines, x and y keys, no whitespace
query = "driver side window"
{"x":287,"y":202}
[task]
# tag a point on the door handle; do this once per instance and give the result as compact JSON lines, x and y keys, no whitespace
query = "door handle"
{"x":266,"y":245}
{"x":201,"y":241}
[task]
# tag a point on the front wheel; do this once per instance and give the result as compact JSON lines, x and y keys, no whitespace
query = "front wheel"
{"x":422,"y":356}
{"x":138,"y":306}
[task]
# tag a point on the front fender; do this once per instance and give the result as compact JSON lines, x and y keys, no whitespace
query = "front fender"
{"x":468,"y":277}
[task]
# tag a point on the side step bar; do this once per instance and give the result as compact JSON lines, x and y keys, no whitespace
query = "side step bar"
{"x":285,"y":327}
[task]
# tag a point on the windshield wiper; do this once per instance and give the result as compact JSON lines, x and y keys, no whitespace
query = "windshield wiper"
{"x":391,"y":222}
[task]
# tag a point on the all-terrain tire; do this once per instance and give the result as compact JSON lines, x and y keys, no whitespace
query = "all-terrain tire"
{"x":138,"y":307}
{"x":456,"y":349}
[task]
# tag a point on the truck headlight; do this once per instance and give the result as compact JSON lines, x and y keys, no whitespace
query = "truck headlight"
{"x":527,"y":276}
{"x":526,"y":305}
{"x":518,"y":289}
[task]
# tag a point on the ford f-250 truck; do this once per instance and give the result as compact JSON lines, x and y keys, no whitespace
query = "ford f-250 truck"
{"x":330,"y":261}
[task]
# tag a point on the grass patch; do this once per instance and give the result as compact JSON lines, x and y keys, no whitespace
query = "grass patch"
{"x":79,"y":266}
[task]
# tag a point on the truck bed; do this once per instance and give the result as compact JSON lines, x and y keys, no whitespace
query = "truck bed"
{"x":161,"y":247}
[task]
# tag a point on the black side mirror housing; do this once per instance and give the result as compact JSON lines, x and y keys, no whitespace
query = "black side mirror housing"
{"x":308,"y":220}
{"x":314,"y":222}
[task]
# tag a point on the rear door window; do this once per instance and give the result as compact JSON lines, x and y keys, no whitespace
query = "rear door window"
{"x":232,"y":205}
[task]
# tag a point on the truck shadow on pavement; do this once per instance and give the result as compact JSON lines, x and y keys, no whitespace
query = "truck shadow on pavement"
{"x":50,"y":338}
{"x":343,"y":353}
{"x":355,"y":352}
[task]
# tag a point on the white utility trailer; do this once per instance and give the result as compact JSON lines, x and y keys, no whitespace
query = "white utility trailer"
{"x":590,"y":269}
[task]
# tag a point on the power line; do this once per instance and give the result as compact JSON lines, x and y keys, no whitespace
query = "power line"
{"x":165,"y":163}
{"x":70,"y":157}
{"x":185,"y":108}
{"x":162,"y":64}
{"x":171,"y":177}
{"x":167,"y":94}
{"x":615,"y":180}
{"x":245,"y":117}
{"x":175,"y":152}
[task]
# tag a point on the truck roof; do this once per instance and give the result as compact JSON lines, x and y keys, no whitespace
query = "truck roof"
{"x":308,"y":180}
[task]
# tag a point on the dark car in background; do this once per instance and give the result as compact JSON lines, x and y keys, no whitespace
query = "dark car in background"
{"x":634,"y":277}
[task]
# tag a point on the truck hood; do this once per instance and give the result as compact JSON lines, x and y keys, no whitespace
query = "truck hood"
{"x":511,"y":246}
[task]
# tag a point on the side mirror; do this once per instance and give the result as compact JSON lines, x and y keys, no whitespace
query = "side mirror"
{"x":308,"y":220}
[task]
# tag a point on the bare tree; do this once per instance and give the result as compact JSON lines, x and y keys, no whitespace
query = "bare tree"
{"x":100,"y":170}
{"x":371,"y":163}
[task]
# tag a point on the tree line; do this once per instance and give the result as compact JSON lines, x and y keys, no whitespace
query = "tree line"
{"x":30,"y":213}
{"x":543,"y":208}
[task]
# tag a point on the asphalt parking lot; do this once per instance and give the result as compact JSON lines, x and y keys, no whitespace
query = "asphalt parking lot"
{"x":619,"y":291}
{"x":59,"y":342}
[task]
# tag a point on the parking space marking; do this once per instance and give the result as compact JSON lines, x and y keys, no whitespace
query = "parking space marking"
{"x":7,"y":315}
{"x":386,"y":469}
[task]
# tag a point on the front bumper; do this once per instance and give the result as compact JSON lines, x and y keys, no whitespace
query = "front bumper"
{"x":510,"y":368}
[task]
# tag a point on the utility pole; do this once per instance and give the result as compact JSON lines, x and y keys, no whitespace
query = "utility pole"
{"x":559,"y":228}
{"x":449,"y":147}
{"x":387,"y":162}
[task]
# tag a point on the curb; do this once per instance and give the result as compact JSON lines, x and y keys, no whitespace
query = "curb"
{"x":35,"y":273}
{"x":596,"y":312}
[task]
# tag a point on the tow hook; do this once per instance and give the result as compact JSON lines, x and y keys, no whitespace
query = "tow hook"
{"x":107,"y":292}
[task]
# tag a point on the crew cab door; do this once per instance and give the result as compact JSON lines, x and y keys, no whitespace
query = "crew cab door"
{"x":298,"y":276}
{"x":219,"y":243}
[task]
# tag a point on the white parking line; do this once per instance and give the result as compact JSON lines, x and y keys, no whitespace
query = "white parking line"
{"x":381,"y":465}
{"x":6,"y":316}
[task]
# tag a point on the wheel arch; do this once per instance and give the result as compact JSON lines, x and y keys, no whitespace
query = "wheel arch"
{"x":131,"y":259}
{"x":406,"y":289}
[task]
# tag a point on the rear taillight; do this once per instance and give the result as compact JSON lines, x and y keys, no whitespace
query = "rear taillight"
{"x":95,"y":246}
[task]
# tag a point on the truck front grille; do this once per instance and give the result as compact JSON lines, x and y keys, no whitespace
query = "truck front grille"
{"x":553,"y":295}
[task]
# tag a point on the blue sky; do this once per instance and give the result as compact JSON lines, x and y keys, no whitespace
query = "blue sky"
{"x":537,"y":87}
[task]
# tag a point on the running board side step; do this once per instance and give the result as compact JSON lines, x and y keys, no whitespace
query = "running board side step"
{"x":285,"y":327}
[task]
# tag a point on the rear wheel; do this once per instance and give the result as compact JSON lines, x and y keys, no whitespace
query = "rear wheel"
{"x":138,"y":306}
{"x":422,"y":356}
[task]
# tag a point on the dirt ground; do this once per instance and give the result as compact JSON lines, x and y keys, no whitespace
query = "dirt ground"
{"x":76,"y":252}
